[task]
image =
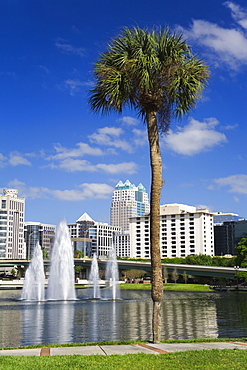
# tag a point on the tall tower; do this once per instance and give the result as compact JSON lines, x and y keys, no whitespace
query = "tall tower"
{"x":128,"y":201}
{"x":12,"y":209}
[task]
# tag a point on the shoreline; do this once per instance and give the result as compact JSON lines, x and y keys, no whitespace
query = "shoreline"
{"x":175,"y":287}
{"x":126,"y":342}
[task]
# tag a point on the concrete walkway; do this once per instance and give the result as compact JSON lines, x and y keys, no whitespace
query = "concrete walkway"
{"x":123,"y":349}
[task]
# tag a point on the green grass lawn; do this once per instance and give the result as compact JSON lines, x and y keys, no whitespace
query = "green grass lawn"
{"x":189,"y":360}
{"x":171,"y":286}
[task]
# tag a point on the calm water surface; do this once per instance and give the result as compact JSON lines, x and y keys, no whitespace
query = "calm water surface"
{"x":185,"y":315}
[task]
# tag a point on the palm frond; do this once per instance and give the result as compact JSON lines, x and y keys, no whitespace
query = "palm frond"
{"x":148,"y":70}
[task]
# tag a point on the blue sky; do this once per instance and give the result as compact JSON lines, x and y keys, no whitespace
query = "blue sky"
{"x":64,"y":159}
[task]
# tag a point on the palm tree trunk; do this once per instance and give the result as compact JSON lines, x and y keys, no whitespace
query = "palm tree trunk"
{"x":156,"y":186}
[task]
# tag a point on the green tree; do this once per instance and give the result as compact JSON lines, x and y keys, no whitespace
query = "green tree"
{"x":45,"y":253}
{"x":199,"y":259}
{"x":241,"y":251}
{"x":155,"y":73}
{"x":78,"y":254}
{"x":133,"y":274}
{"x":175,"y":275}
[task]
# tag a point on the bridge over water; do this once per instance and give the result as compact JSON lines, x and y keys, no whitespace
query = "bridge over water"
{"x":214,"y":271}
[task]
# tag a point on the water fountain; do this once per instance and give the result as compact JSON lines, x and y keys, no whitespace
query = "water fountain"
{"x":94,"y":277}
{"x":111,"y":274}
{"x":33,"y":288}
{"x":61,"y":279}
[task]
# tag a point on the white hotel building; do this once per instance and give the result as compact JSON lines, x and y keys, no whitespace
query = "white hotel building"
{"x":184,"y":230}
{"x":12,"y":208}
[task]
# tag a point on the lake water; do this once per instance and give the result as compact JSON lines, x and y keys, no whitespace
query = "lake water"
{"x":185,"y":315}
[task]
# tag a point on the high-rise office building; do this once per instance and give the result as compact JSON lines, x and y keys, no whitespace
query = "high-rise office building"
{"x":128,"y":201}
{"x":227,"y":236}
{"x":12,"y":208}
{"x":36,"y":232}
{"x":89,"y":236}
{"x":221,"y":217}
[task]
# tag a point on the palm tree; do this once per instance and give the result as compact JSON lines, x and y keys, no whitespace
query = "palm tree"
{"x":155,"y":73}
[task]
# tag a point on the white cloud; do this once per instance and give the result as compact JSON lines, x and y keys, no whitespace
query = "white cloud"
{"x":112,"y":131}
{"x":95,"y":190}
{"x":85,"y":191}
{"x":228,"y":44}
{"x":69,"y":195}
{"x":229,"y":127}
{"x":16,"y":159}
{"x":109,"y":136}
{"x":235,"y":183}
{"x":74,"y":86}
{"x":195,"y":137}
{"x":125,"y":167}
{"x":238,"y":14}
{"x":140,"y":137}
{"x":2,"y":160}
{"x":69,"y":159}
{"x":73,"y":165}
{"x":81,"y":150}
{"x":130,"y":121}
{"x":26,"y":192}
{"x":70,"y":49}
{"x":44,"y":68}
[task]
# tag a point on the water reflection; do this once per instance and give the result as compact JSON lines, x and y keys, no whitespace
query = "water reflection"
{"x":189,"y":315}
{"x":235,"y":305}
{"x":59,"y":321}
{"x":10,"y":320}
{"x":184,"y":315}
{"x":32,"y":323}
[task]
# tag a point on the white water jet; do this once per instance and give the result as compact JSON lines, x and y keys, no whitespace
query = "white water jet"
{"x":61,"y":278}
{"x":94,"y":277}
{"x":112,"y":274}
{"x":34,"y":283}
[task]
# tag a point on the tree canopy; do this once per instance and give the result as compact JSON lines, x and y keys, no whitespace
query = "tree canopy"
{"x":241,"y":251}
{"x":148,"y":70}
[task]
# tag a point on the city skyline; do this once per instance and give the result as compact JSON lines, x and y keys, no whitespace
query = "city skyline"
{"x":65,"y":160}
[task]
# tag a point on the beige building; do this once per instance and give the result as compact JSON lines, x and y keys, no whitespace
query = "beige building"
{"x":12,"y":208}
